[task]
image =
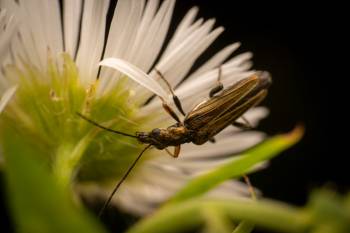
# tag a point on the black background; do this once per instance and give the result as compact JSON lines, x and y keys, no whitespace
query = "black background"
{"x":303,"y":47}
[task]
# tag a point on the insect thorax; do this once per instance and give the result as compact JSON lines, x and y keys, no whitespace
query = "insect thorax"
{"x":163,"y":137}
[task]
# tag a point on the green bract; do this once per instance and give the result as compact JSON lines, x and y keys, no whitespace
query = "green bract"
{"x":43,"y":112}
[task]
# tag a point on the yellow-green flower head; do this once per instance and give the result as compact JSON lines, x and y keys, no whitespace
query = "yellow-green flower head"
{"x":56,"y":60}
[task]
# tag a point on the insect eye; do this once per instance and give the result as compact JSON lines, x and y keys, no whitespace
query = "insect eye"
{"x":156,"y":132}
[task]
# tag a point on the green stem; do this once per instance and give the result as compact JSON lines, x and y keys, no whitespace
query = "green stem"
{"x":216,"y":221}
{"x":187,"y":215}
{"x":67,"y":159}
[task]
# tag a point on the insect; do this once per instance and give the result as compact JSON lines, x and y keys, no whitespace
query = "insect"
{"x":204,"y":121}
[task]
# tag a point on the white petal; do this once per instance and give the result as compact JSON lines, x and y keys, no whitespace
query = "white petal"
{"x":231,"y":190}
{"x":91,"y":39}
{"x":142,"y":37}
{"x":8,"y":27}
{"x":145,"y":41}
{"x":155,"y":185}
{"x":71,"y":19}
{"x":240,"y":59}
{"x":180,"y":60}
{"x":53,"y":26}
{"x":228,"y":145}
{"x":255,"y":115}
{"x":215,"y":61}
{"x":181,"y":67}
{"x":32,"y":39}
{"x":136,"y":74}
{"x":121,"y":36}
{"x":183,"y":30}
{"x":154,"y":37}
{"x":125,"y":22}
{"x":40,"y":29}
{"x":7,"y":97}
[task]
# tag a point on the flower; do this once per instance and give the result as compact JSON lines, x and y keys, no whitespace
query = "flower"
{"x":7,"y":28}
{"x":55,"y":64}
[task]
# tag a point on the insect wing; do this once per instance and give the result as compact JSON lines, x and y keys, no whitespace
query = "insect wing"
{"x":209,"y":110}
{"x":219,"y":123}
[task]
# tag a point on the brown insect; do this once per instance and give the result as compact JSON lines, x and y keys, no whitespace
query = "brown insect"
{"x":203,"y":122}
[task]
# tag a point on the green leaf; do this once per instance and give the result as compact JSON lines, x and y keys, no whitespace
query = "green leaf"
{"x":238,"y":167}
{"x":244,"y":227}
{"x":37,"y":202}
{"x":329,"y":212}
{"x":188,"y":215}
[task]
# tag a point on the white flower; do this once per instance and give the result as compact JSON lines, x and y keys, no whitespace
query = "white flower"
{"x":136,"y":36}
{"x":7,"y":29}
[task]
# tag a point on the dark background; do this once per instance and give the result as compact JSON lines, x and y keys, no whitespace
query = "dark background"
{"x":303,"y":48}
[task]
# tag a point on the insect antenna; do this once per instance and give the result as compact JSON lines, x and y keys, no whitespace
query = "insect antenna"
{"x":105,"y":128}
{"x":105,"y":205}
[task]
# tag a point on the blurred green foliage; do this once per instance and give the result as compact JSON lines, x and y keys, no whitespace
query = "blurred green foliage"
{"x":38,"y":203}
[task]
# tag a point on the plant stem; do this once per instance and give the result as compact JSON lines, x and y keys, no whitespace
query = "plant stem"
{"x":187,"y":215}
{"x":67,"y":159}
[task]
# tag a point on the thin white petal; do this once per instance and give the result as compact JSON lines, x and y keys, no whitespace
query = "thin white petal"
{"x":215,"y":61}
{"x":7,"y":97}
{"x":155,"y":36}
{"x":136,"y":74}
{"x":125,"y":22}
{"x":7,"y":30}
{"x":180,"y":60}
{"x":32,"y":36}
{"x":143,"y":45}
{"x":121,"y":36}
{"x":91,"y":39}
{"x":184,"y":61}
{"x":155,"y":185}
{"x":181,"y":50}
{"x":53,"y":26}
{"x":142,"y":38}
{"x":183,"y":30}
{"x":240,"y":59}
{"x":41,"y":25}
{"x":71,"y":19}
{"x":228,"y":145}
{"x":255,"y":115}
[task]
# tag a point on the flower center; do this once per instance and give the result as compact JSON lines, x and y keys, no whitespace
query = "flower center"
{"x":43,"y":113}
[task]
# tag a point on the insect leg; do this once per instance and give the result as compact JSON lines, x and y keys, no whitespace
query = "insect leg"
{"x":176,"y":151}
{"x":245,"y":126}
{"x":175,"y":98}
{"x":219,"y":86}
{"x":169,"y":110}
{"x":212,"y":140}
{"x":105,"y":205}
{"x":246,"y":121}
{"x":250,"y":187}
